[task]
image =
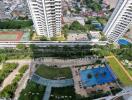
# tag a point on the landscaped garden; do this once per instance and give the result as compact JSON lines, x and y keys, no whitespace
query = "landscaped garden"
{"x":123,"y":78}
{"x":6,"y":70}
{"x":65,"y":93}
{"x":53,"y":73}
{"x":9,"y":91}
{"x":32,"y":91}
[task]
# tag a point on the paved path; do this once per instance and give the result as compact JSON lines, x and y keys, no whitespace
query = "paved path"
{"x":11,"y":76}
{"x":47,"y":93}
{"x":53,"y":83}
{"x":21,"y":85}
{"x":123,"y":68}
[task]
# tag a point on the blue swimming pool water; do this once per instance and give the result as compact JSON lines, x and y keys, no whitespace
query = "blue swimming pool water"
{"x":97,"y":76}
{"x":123,"y":42}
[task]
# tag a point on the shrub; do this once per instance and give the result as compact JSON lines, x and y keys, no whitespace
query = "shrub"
{"x":5,"y":71}
{"x":23,"y":69}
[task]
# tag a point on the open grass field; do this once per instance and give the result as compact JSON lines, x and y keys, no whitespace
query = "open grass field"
{"x":11,"y":36}
{"x":32,"y":91}
{"x":124,"y":79}
{"x":53,"y":73}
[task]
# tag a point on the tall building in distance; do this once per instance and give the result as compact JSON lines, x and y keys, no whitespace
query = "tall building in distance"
{"x":120,"y":21}
{"x":46,"y":16}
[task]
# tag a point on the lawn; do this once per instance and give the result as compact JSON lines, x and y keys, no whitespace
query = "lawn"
{"x":58,"y":93}
{"x":124,"y":79}
{"x":53,"y":73}
{"x":8,"y":36}
{"x":32,"y":91}
{"x":129,"y":70}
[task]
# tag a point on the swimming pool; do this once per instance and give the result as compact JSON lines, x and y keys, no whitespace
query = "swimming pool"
{"x":123,"y":42}
{"x":95,"y":76}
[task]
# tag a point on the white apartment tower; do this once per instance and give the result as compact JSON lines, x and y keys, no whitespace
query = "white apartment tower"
{"x":46,"y":15}
{"x":119,"y":21}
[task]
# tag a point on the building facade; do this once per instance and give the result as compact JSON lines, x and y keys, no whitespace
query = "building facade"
{"x":120,"y":21}
{"x":46,"y":15}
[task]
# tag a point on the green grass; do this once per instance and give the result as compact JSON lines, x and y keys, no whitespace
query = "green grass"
{"x":53,"y":73}
{"x":129,"y":70}
{"x":124,"y":79}
{"x":32,"y":87}
{"x":8,"y":36}
{"x":65,"y":91}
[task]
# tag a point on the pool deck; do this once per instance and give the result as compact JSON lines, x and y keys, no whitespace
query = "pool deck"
{"x":97,"y":76}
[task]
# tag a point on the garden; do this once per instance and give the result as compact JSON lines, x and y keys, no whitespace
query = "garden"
{"x":9,"y":91}
{"x":64,"y":93}
{"x":32,"y":91}
{"x":7,"y":68}
{"x":50,"y":72}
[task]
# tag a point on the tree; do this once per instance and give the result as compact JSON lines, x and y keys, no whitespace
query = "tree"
{"x":65,"y":30}
{"x":21,"y":46}
{"x":77,"y":26}
{"x":3,"y":57}
{"x":57,"y":38}
{"x":43,"y":38}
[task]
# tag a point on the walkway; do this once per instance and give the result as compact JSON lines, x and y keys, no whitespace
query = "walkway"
{"x":47,"y":93}
{"x":11,"y":76}
{"x":21,"y":85}
{"x":53,"y":83}
{"x":120,"y":66}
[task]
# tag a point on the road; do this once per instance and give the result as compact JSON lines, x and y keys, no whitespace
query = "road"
{"x":51,"y":43}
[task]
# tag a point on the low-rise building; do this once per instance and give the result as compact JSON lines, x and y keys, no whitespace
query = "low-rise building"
{"x":94,"y":36}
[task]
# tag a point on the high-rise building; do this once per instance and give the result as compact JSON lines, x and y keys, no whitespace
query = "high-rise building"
{"x":119,"y":21}
{"x":46,"y":15}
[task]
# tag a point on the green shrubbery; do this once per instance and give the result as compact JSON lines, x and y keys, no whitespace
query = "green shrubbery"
{"x":68,"y":91}
{"x":52,"y":72}
{"x":9,"y":90}
{"x":23,"y":69}
{"x":36,"y":89}
{"x":5,"y":71}
{"x":15,"y":24}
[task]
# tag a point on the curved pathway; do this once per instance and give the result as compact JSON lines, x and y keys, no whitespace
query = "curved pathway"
{"x":53,"y":83}
{"x":50,"y":83}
